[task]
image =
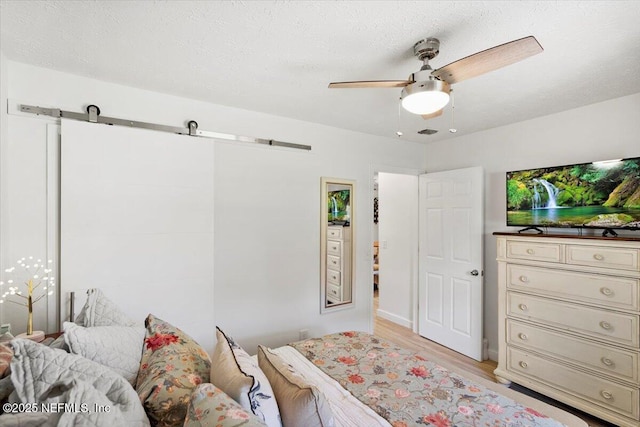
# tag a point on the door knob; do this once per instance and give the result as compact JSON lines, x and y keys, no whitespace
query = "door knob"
{"x":474,"y":272}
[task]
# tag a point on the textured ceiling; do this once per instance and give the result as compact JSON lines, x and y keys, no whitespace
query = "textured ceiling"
{"x":278,"y":56}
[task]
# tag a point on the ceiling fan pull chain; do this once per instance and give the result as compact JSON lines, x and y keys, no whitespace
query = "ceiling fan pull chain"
{"x":399,"y":132}
{"x":453,"y":129}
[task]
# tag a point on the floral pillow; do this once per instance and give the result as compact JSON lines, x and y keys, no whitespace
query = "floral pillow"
{"x":211,"y":407}
{"x":239,"y":376}
{"x":172,"y":365}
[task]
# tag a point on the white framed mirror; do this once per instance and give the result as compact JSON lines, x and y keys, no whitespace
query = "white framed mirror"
{"x":337,"y":243}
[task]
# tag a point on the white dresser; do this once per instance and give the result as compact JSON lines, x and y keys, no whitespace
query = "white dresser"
{"x":338,"y":264}
{"x":569,"y":314}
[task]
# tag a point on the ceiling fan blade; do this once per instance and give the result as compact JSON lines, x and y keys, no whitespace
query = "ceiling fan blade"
{"x":432,"y":115}
{"x":370,"y":83}
{"x":488,"y":60}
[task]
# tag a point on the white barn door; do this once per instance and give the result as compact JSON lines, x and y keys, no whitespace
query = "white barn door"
{"x":137,"y":222}
{"x":450,"y":265}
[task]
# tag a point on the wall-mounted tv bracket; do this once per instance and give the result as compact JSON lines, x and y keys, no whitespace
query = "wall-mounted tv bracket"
{"x":93,"y":116}
{"x":609,"y":231}
{"x":532,"y":228}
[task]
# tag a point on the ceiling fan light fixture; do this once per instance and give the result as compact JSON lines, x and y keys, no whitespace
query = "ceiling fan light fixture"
{"x":425,"y":97}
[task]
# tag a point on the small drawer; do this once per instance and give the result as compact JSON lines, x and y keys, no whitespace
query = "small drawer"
{"x":611,"y":291}
{"x":334,"y":232}
{"x":333,"y":277}
{"x":333,"y":262}
{"x":608,"y":394}
{"x":334,"y":293}
{"x":603,"y":358}
{"x":534,"y":251}
{"x":603,"y":324}
{"x":599,"y":256}
{"x":334,"y":247}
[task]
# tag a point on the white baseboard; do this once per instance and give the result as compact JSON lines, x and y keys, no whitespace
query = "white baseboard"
{"x":395,"y":319}
{"x":493,"y":354}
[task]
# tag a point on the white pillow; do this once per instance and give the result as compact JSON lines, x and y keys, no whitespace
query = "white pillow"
{"x":35,"y":368}
{"x":116,"y":347}
{"x":101,"y":311}
{"x":238,"y":375}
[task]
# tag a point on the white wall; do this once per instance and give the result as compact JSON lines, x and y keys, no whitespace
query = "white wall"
{"x":3,"y":163}
{"x":398,"y":208}
{"x":267,"y":200}
{"x":600,"y":131}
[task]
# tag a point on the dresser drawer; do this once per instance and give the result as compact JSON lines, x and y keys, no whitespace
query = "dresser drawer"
{"x":334,"y":247}
{"x":534,"y":251}
{"x":612,"y":291}
{"x":334,"y":233}
{"x":608,"y":394}
{"x":599,"y":256}
{"x":334,"y":293}
{"x":333,"y":262}
{"x":333,"y":276}
{"x":604,"y":358}
{"x":602,"y":324}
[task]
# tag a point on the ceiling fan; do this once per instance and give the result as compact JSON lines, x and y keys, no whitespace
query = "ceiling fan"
{"x":426,"y":92}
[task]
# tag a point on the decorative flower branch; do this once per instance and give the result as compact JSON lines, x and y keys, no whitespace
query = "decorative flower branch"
{"x":36,"y":274}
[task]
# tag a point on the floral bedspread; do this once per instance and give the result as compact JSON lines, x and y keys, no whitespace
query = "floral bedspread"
{"x":407,"y":389}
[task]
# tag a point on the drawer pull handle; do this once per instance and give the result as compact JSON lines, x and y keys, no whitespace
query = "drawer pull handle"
{"x":524,"y":279}
{"x":606,"y":325}
{"x":598,"y":257}
{"x":606,"y":291}
{"x":531,"y":251}
{"x":523,"y":336}
{"x":523,"y":307}
{"x":523,"y":364}
{"x":607,"y":362}
{"x":606,"y":394}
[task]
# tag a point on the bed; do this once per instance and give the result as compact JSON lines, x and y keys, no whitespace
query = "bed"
{"x":368,"y":381}
{"x":158,"y":375}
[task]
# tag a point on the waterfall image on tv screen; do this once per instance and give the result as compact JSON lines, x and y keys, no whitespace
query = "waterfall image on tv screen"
{"x":599,"y":194}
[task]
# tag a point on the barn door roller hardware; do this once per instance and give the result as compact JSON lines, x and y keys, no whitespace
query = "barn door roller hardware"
{"x":93,"y":116}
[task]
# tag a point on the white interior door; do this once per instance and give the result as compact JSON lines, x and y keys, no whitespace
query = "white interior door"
{"x":450,"y":259}
{"x":137,"y":222}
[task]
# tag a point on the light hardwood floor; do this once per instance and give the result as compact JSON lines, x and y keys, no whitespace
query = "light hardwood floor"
{"x":405,"y":337}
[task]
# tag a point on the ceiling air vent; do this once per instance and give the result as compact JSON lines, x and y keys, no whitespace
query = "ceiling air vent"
{"x":427,"y":131}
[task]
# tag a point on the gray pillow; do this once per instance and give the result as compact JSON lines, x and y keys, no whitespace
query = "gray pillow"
{"x":91,"y":407}
{"x":26,"y":419}
{"x":116,"y":347}
{"x":35,"y":368}
{"x":6,"y":388}
{"x":101,"y":311}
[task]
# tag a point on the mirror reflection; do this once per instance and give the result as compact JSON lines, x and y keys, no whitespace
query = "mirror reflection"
{"x":337,"y":243}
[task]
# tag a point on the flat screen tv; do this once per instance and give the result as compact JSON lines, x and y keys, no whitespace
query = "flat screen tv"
{"x":594,"y":195}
